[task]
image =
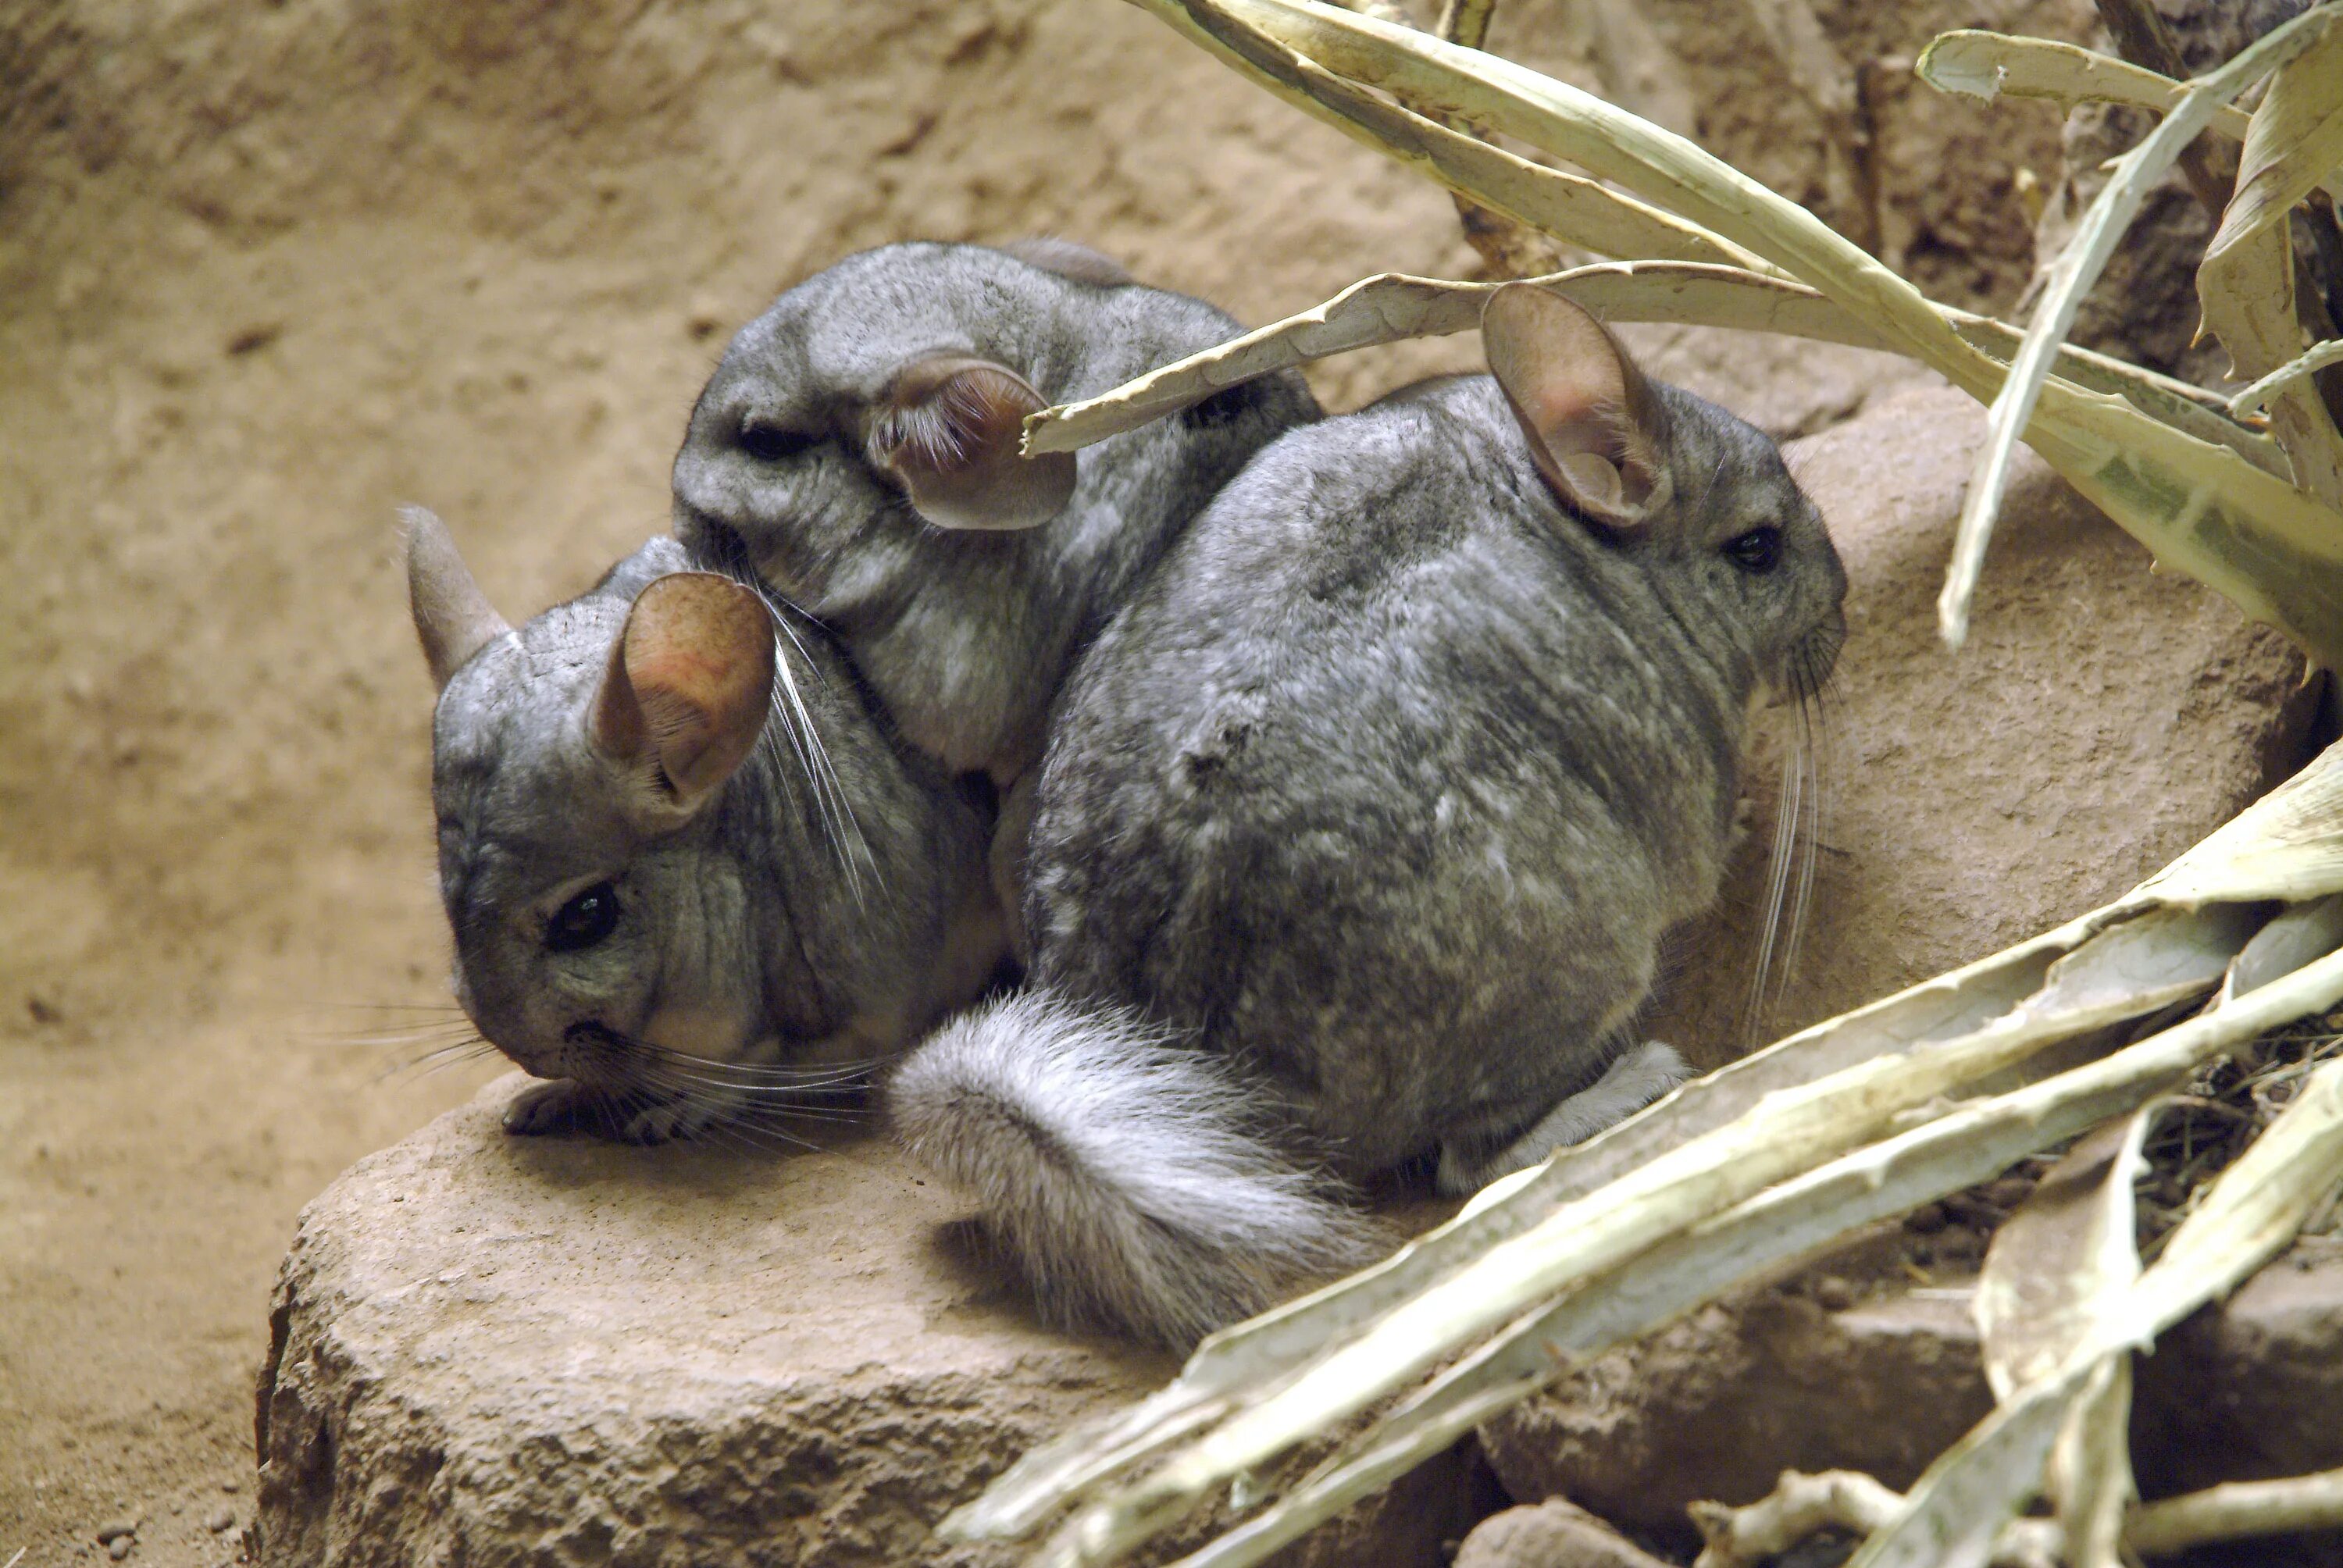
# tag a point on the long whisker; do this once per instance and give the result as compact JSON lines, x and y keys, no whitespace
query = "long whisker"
{"x":833,"y":805}
{"x":748,"y":1075}
{"x":749,"y":1133}
{"x":833,"y":808}
{"x":441,"y":1007}
{"x":431,"y":1062}
{"x":1787,"y":810}
{"x":781,"y":1095}
{"x":1813,"y":738}
{"x":758,"y":1071}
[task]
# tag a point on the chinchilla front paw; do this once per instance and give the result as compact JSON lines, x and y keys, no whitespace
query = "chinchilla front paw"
{"x":566,"y":1105}
{"x":562,"y":1105}
{"x":669,"y":1121}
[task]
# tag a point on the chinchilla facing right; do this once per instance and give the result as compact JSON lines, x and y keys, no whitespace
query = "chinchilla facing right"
{"x":1360,"y":826}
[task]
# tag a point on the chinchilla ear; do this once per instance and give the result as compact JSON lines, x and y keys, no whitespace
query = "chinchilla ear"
{"x":690,"y":683}
{"x":1068,"y":259}
{"x":452,"y":616}
{"x":948,"y":429}
{"x":1594,"y":427}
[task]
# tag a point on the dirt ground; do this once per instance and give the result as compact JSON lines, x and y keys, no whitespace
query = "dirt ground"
{"x":268,"y":271}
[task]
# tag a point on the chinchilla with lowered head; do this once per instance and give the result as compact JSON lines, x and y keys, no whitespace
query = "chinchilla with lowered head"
{"x":690,"y":876}
{"x":858,"y":445}
{"x":1361,"y":824}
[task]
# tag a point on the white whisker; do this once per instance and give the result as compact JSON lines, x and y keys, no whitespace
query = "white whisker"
{"x":1778,"y":880}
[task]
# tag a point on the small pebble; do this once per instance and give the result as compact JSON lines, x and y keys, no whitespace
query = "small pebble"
{"x":1835,"y":1293}
{"x":119,"y":1548}
{"x":114,"y":1528}
{"x":230,"y":1484}
{"x":219,"y":1519}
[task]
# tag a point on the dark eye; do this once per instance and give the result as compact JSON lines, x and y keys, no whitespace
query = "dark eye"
{"x":1756,"y":550}
{"x":584,"y":921}
{"x":771,"y":444}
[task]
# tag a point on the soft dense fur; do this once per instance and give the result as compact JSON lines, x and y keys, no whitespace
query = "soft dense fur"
{"x":811,"y":446}
{"x":1380,"y":794}
{"x":795,"y":897}
{"x":1169,"y":1196}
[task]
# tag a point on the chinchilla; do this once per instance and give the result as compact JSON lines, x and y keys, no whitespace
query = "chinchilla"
{"x":690,"y":877}
{"x":1361,"y":824}
{"x":858,"y":445}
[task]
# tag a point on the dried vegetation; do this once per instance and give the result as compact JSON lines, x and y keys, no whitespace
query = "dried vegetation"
{"x":2166,"y":1064}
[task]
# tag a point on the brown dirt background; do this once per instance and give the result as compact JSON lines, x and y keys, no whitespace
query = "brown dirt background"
{"x":268,"y":270}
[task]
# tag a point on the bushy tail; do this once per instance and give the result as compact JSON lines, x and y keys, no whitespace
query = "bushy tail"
{"x":1131,"y":1181}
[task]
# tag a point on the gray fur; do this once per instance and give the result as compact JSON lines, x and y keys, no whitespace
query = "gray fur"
{"x":1380,"y":794}
{"x":1171,"y":1204}
{"x":965,"y":636}
{"x":768,"y":942}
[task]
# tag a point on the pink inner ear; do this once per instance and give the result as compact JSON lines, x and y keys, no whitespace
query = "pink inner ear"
{"x":951,"y":432}
{"x":698,"y":658}
{"x":1569,"y":415}
{"x":1577,"y":394}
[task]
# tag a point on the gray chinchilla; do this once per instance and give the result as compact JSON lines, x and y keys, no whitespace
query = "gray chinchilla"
{"x":690,"y":876}
{"x":1360,"y":826}
{"x":858,"y":445}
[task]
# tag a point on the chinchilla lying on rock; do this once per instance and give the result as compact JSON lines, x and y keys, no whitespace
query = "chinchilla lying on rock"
{"x":681,"y":923}
{"x":1361,"y":823}
{"x":691,"y":876}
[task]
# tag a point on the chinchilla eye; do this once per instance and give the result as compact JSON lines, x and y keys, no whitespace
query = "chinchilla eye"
{"x":771,"y":444}
{"x":584,"y":921}
{"x":1756,"y":550}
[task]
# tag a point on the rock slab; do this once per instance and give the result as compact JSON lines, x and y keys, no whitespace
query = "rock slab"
{"x":491,"y":1350}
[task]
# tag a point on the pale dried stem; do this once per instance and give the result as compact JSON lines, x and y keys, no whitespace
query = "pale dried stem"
{"x":1507,"y":247}
{"x":1466,"y":22}
{"x":2238,"y":1509}
{"x":1803,"y":1505}
{"x":1800,"y":1505}
{"x":2321,"y":356}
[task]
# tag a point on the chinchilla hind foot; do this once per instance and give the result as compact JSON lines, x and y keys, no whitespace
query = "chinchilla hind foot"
{"x":1632,"y":1082}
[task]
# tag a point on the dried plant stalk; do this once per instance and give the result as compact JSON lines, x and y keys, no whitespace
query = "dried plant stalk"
{"x":2251,"y":1212}
{"x":1216,"y":1422}
{"x":2316,"y":359}
{"x":1995,"y":64}
{"x":2239,"y":1508}
{"x":2066,"y":1248}
{"x":2275,"y":551}
{"x":1392,"y":306}
{"x":1803,"y":1505}
{"x":2071,"y":276}
{"x":2247,"y":282}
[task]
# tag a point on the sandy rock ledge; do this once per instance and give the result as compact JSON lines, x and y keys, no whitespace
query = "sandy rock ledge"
{"x":493,"y":1350}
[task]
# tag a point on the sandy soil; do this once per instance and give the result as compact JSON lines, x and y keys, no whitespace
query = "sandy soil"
{"x":266,"y":272}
